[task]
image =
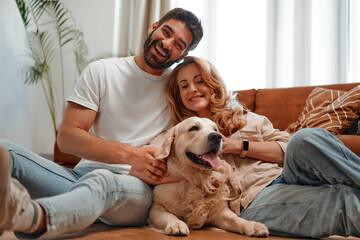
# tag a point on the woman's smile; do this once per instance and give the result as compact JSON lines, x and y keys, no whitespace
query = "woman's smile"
{"x":196,"y":98}
{"x":195,"y":93}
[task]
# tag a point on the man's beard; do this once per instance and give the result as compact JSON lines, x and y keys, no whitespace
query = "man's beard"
{"x":152,"y":60}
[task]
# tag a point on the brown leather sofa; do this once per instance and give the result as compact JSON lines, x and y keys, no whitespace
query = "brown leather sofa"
{"x":281,"y":105}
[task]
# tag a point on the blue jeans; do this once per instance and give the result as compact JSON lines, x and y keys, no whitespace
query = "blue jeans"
{"x":75,"y":198}
{"x":319,"y":194}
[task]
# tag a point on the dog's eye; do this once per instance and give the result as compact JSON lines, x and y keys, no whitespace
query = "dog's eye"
{"x":194,"y":128}
{"x":215,"y":130}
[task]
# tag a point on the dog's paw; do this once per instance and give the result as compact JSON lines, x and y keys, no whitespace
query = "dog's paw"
{"x":256,"y":229}
{"x":178,"y":228}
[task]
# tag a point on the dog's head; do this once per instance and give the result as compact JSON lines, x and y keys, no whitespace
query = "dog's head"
{"x":193,"y":143}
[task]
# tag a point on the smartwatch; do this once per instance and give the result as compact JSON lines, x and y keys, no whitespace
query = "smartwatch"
{"x":245,"y":148}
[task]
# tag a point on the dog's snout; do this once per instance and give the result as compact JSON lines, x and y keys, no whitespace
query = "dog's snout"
{"x":214,"y":137}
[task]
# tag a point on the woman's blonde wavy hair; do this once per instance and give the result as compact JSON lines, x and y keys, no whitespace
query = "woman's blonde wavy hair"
{"x":225,"y":110}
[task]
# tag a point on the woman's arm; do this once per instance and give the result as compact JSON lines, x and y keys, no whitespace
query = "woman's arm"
{"x":266,"y":151}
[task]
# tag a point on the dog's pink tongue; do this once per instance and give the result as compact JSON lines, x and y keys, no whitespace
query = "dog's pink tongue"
{"x":212,"y":159}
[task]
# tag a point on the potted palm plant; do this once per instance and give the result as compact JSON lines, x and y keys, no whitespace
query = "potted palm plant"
{"x":51,"y":37}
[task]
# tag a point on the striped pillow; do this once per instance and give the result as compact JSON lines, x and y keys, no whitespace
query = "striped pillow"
{"x":332,"y":110}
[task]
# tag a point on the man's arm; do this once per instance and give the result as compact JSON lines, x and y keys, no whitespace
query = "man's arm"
{"x":74,"y":138}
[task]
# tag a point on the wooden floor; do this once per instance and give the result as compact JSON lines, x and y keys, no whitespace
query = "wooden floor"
{"x":101,"y":231}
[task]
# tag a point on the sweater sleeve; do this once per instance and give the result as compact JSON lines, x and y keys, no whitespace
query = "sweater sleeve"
{"x":269,"y":133}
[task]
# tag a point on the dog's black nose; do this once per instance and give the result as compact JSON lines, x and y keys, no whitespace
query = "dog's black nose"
{"x":214,"y":137}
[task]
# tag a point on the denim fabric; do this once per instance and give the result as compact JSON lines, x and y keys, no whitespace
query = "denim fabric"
{"x":116,"y":199}
{"x":75,"y":198}
{"x":319,"y":194}
{"x":41,"y":177}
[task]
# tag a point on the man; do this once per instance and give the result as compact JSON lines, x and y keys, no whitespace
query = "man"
{"x":117,"y":106}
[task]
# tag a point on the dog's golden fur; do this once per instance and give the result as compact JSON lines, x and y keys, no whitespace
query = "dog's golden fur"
{"x":195,"y":201}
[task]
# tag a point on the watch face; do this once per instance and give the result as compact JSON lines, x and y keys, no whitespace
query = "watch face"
{"x":245,"y":145}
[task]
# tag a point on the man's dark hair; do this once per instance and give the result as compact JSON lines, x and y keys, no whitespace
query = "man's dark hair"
{"x":191,"y":22}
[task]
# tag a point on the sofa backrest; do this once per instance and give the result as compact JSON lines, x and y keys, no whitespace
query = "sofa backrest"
{"x":282,"y":105}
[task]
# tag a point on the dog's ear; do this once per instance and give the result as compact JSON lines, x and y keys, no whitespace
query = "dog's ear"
{"x":164,"y":142}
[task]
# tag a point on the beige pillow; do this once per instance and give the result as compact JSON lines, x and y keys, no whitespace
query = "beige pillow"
{"x":332,"y":110}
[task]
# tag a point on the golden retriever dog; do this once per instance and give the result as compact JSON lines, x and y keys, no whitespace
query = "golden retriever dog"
{"x":191,"y":148}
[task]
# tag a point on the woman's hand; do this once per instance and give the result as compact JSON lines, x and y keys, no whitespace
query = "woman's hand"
{"x":231,"y":145}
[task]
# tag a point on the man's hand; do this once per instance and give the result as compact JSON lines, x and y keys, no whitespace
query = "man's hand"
{"x":143,"y":161}
{"x":231,"y":145}
{"x":142,"y":176}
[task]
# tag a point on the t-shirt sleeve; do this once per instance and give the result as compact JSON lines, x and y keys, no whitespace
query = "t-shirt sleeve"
{"x":87,"y":91}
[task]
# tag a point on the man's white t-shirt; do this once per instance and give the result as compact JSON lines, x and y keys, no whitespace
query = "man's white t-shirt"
{"x":130,"y":104}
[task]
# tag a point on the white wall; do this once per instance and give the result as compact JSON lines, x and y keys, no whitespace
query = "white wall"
{"x":24,"y":116}
{"x":96,"y":19}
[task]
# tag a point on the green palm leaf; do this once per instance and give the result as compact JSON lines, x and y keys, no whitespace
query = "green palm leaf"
{"x":51,"y":32}
{"x":40,"y":51}
{"x":24,"y":12}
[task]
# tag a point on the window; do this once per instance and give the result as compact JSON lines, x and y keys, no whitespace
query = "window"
{"x":354,"y":41}
{"x":234,"y":39}
{"x":259,"y":43}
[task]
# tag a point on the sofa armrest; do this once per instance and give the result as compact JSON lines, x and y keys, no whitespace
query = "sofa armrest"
{"x":352,"y":142}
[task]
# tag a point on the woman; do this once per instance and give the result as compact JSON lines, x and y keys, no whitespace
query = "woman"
{"x":317,"y":191}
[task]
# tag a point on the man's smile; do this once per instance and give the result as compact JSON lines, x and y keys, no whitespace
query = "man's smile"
{"x":160,"y":50}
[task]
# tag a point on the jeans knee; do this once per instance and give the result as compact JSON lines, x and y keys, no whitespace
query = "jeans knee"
{"x":6,"y":144}
{"x":131,"y":202}
{"x":99,"y":180}
{"x":104,"y":182}
{"x":304,"y":138}
{"x":102,"y":176}
{"x":101,"y":173}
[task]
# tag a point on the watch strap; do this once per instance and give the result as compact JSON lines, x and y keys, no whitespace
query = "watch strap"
{"x":245,"y":148}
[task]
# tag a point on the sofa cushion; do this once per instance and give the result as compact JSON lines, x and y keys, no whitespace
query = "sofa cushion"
{"x":332,"y":110}
{"x":320,"y":97}
{"x":282,"y":106}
